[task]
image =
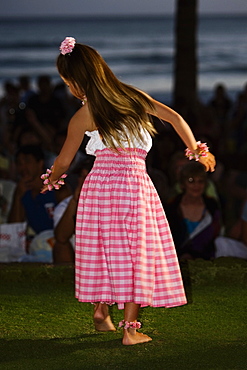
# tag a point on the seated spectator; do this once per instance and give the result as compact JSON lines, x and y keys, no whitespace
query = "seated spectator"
{"x":28,"y":136}
{"x":12,"y":115}
{"x":221,"y":105}
{"x":178,"y":161}
{"x":194,"y":218}
{"x":28,"y":203}
{"x":64,"y":220}
{"x":45,"y":113}
{"x":160,"y":182}
{"x":26,"y":92}
{"x":7,"y":187}
{"x":237,"y":134}
{"x":9,"y":104}
{"x":235,"y":185}
{"x":68,"y":100}
{"x":235,"y":243}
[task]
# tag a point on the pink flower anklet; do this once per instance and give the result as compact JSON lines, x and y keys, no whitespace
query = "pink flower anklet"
{"x":129,"y":324}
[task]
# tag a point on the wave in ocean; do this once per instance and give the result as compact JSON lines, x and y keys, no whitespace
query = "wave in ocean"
{"x":140,"y":51}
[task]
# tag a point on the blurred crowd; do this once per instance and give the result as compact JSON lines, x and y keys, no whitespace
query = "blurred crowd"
{"x":206,"y":212}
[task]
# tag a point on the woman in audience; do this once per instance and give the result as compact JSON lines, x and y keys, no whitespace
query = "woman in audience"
{"x":194,"y":218}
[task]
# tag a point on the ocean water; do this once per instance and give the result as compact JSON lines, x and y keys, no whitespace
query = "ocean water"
{"x":140,"y":51}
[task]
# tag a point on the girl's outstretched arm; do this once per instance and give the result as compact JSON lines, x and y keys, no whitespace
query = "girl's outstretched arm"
{"x":79,"y":123}
{"x":183,"y":130}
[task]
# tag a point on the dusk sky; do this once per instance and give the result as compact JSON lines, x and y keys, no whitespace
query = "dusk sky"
{"x":108,"y":7}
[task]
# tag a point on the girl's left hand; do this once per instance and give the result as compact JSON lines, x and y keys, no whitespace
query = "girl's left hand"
{"x":44,"y":189}
{"x":49,"y":187}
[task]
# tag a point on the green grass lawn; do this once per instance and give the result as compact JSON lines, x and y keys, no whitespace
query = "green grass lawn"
{"x":42,"y":326}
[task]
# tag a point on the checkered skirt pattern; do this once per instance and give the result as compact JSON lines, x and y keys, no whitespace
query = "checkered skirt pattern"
{"x":124,"y":248}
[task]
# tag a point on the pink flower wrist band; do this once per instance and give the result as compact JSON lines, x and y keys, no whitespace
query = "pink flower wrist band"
{"x":202,"y":151}
{"x":52,"y":184}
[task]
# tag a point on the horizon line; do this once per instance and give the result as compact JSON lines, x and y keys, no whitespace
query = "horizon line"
{"x":115,"y":15}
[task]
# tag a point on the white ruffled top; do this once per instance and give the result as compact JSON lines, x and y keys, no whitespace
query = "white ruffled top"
{"x":95,"y":142}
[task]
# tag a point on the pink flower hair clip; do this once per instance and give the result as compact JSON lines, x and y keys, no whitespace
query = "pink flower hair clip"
{"x":67,"y":45}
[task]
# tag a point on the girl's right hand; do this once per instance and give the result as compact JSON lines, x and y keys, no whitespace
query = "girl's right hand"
{"x":208,"y":162}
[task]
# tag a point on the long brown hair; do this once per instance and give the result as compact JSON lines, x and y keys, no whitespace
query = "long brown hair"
{"x":114,"y":105}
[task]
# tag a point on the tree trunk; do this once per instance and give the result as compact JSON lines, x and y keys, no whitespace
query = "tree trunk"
{"x":185,"y":68}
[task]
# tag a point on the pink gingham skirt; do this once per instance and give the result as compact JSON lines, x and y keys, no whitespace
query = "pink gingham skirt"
{"x":124,"y":248}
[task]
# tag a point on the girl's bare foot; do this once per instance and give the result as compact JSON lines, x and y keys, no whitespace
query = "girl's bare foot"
{"x":102,"y":320}
{"x":131,"y":337}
